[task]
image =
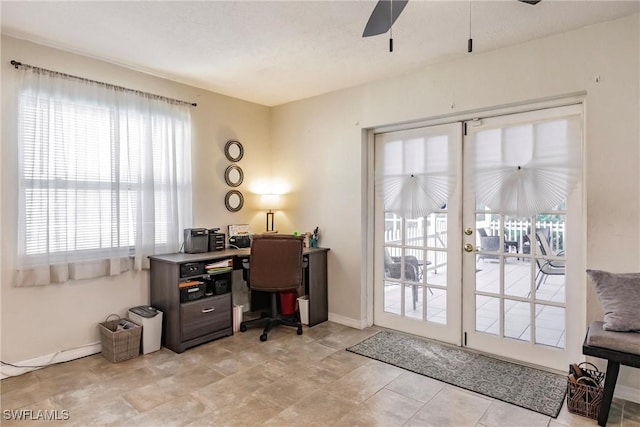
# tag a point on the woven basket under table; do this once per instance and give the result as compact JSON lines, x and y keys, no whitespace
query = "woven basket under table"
{"x":119,"y":345}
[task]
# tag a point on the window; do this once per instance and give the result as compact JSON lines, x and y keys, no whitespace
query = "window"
{"x":105,"y":174}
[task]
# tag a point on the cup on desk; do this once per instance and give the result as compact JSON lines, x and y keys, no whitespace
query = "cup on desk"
{"x":313,"y":242}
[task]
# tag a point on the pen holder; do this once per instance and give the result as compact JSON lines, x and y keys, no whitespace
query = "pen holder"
{"x":313,"y":242}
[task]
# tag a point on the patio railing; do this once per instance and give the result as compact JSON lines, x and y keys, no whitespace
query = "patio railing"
{"x":436,"y":241}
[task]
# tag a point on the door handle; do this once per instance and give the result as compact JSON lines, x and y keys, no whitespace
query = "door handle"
{"x":468,"y":247}
{"x":468,"y":231}
{"x":207,"y":310}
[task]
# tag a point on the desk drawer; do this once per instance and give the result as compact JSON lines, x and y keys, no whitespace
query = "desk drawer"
{"x":205,"y":316}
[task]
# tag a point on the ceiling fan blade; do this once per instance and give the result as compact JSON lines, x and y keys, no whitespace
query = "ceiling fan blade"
{"x":381,"y":20}
{"x":531,"y":2}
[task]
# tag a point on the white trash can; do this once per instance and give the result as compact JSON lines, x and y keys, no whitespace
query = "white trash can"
{"x":303,"y":306}
{"x":151,"y":320}
{"x":237,"y":317}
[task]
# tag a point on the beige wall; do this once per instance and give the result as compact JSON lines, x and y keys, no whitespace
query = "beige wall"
{"x":320,"y":145}
{"x":39,"y":321}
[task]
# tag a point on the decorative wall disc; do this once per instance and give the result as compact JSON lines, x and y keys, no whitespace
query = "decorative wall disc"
{"x":233,"y":176}
{"x":234,"y":200}
{"x":233,"y":150}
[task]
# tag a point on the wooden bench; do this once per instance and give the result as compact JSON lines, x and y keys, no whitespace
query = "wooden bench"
{"x":618,"y":348}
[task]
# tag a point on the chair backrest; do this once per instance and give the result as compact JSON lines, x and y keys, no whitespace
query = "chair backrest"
{"x":482,"y":232}
{"x":544,"y":244}
{"x":275,"y":262}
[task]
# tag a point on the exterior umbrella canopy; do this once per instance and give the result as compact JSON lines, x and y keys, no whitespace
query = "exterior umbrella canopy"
{"x":526,"y":170}
{"x":416,"y":173}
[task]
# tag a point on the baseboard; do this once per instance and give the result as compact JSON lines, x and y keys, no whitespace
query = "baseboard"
{"x":348,"y":321}
{"x":627,"y":393}
{"x":40,"y":362}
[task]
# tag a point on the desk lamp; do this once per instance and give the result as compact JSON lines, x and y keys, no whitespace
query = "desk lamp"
{"x":271,"y":202}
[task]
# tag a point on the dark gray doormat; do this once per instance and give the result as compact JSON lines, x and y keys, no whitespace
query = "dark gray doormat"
{"x":529,"y":388}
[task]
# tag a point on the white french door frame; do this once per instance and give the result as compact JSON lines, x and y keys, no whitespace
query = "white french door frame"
{"x":577,"y":326}
{"x":448,"y":332}
{"x":575,"y":297}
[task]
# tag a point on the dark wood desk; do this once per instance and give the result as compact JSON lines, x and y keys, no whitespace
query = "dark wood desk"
{"x":187,"y":324}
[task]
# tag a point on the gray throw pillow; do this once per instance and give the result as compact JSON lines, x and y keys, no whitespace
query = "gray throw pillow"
{"x":619,"y":295}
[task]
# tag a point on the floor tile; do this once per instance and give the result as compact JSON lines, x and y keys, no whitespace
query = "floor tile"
{"x":502,"y":414}
{"x":385,"y":408}
{"x":365,"y":381}
{"x":415,"y":386}
{"x":451,"y":407}
{"x":317,"y":409}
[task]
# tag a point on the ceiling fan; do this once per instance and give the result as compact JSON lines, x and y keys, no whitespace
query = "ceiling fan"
{"x":386,"y":12}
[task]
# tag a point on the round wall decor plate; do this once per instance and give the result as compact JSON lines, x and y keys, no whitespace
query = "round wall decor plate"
{"x":234,"y":200}
{"x":233,"y":176}
{"x":233,"y":150}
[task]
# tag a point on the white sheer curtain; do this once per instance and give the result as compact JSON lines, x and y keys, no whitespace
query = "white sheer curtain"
{"x":104,"y":178}
{"x":418,"y":169}
{"x":530,"y":166}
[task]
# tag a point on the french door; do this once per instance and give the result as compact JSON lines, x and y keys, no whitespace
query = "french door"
{"x":417,"y":255}
{"x":522,"y":281}
{"x":498,"y":267}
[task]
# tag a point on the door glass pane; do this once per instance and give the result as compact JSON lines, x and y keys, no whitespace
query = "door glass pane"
{"x":487,"y":275}
{"x":551,"y":288}
{"x":517,"y":320}
{"x":436,"y":268}
{"x":413,"y":299}
{"x":488,"y":315}
{"x":550,"y":325}
{"x":392,"y":228}
{"x":392,"y":297}
{"x":550,"y":257}
{"x":437,"y":305}
{"x":517,"y":277}
{"x":414,"y":264}
{"x":437,"y":230}
{"x":414,"y":232}
{"x":488,"y":232}
{"x":515,"y":230}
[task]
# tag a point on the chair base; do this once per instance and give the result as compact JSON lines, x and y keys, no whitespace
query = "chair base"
{"x":269,"y":322}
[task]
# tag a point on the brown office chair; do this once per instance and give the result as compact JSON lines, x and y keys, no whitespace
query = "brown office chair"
{"x":275,"y":265}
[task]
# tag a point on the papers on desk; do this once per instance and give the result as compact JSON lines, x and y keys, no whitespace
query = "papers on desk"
{"x":239,"y":230}
{"x":219,"y":266}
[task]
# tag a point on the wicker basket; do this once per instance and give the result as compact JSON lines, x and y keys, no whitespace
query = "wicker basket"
{"x":584,"y":399}
{"x":119,"y":345}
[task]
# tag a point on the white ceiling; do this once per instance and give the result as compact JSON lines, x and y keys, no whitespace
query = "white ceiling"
{"x":275,"y":52}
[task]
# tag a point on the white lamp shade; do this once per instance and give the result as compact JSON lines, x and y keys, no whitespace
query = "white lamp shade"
{"x":271,"y":201}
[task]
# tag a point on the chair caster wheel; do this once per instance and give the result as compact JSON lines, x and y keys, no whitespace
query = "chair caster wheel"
{"x":263,"y":337}
{"x":299,"y":331}
{"x":243,"y":328}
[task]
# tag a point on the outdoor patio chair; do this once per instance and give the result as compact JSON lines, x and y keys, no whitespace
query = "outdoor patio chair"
{"x":488,"y":244}
{"x":492,"y":244}
{"x":548,"y":267}
{"x":412,"y":271}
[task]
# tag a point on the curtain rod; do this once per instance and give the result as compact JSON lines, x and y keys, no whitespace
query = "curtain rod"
{"x":18,"y":64}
